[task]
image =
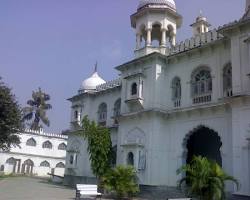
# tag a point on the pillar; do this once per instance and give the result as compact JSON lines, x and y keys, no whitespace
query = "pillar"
{"x":173,"y":40}
{"x":149,"y":31}
{"x":163,"y":37}
{"x":138,"y":41}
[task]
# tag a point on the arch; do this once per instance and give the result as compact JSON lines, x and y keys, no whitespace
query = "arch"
{"x":75,"y":146}
{"x":60,"y":165}
{"x":156,"y":33}
{"x":201,"y":84}
{"x":62,"y":146}
{"x":47,"y":145}
{"x":227,"y":80}
{"x":28,"y":162}
{"x":202,"y":141}
{"x":31,"y":142}
{"x":11,"y":161}
{"x":44,"y":164}
{"x":130,"y":159}
{"x":117,"y":107}
{"x":135,"y":136}
{"x":134,"y":89}
{"x":102,"y":113}
{"x":27,"y":166}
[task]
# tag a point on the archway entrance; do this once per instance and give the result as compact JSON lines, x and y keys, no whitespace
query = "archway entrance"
{"x":27,"y":167}
{"x":204,"y":142}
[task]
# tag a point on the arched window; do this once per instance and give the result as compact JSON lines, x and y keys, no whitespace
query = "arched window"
{"x":117,"y":110}
{"x":102,"y":114}
{"x":71,"y":159}
{"x":45,"y":164}
{"x":31,"y":142}
{"x":76,"y":114}
{"x":47,"y":145}
{"x":134,"y":89}
{"x":62,"y":146}
{"x":201,"y":85}
{"x":11,"y":161}
{"x":130,"y":159}
{"x":176,"y":91}
{"x":114,"y":155}
{"x":60,"y":165}
{"x":227,"y":80}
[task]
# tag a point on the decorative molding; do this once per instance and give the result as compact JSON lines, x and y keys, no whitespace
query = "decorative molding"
{"x":42,"y":133}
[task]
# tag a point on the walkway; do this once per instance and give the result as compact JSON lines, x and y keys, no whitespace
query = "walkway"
{"x":23,"y":188}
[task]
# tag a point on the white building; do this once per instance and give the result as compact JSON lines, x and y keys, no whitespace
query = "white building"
{"x":39,"y":154}
{"x":173,"y":100}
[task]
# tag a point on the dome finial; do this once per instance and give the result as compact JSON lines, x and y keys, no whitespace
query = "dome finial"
{"x":95,"y":70}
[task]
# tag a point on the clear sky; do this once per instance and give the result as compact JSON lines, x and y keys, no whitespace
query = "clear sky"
{"x":54,"y":44}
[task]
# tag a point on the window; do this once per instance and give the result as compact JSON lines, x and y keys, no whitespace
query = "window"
{"x":130,"y":159}
{"x":62,"y":146}
{"x":31,"y":142}
{"x":47,"y":145}
{"x":114,"y":155}
{"x":45,"y":164}
{"x":117,"y":110}
{"x":201,"y":86}
{"x":60,"y":165}
{"x":76,"y":114}
{"x":71,"y":159}
{"x":176,"y":91}
{"x":227,"y":80}
{"x":2,"y":168}
{"x":102,"y":114}
{"x":134,"y":89}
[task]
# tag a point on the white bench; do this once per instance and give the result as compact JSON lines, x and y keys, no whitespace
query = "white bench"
{"x":181,"y":199}
{"x":87,"y":190}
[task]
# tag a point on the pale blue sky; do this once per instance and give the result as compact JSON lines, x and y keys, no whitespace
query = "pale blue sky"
{"x":53,"y":44}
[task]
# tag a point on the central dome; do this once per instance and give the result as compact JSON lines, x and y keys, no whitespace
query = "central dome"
{"x":169,"y":3}
{"x":90,"y":83}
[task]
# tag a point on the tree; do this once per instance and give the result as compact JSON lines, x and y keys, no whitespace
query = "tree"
{"x":122,"y":181}
{"x":99,"y":146}
{"x":37,"y":109}
{"x":10,"y":118}
{"x":205,"y":179}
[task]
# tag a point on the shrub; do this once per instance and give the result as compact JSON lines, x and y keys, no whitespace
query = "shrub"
{"x":122,"y":181}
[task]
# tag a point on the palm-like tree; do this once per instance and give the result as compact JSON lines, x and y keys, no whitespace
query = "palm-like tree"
{"x":205,"y":179}
{"x":37,"y":109}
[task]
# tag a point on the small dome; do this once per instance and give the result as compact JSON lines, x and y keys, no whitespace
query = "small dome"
{"x":169,"y":3}
{"x":91,"y":82}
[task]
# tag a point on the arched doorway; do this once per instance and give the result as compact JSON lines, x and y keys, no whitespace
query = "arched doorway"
{"x":205,"y":142}
{"x":27,"y":167}
{"x":130,"y":159}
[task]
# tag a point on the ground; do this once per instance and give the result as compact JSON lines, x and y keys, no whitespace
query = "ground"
{"x":25,"y":188}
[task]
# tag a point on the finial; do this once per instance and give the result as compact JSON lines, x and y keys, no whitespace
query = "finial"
{"x":201,"y":13}
{"x":95,"y":67}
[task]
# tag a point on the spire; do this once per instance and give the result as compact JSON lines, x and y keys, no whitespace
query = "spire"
{"x":95,"y":70}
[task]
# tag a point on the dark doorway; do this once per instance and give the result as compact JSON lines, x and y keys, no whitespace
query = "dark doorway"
{"x":130,"y":159}
{"x":204,"y":142}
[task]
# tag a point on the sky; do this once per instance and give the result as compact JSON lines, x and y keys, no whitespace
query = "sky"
{"x":54,"y":44}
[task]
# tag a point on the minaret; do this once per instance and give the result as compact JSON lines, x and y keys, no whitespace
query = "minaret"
{"x":155,"y":23}
{"x":201,"y":25}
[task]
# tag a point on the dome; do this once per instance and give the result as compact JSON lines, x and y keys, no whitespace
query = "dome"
{"x":169,"y":3}
{"x":91,"y":82}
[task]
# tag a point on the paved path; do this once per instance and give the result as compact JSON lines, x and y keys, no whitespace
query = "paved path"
{"x":23,"y":188}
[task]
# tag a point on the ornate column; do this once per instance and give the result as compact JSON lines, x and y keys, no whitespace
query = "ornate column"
{"x":173,"y":40}
{"x":149,"y":31}
{"x":138,"y":41}
{"x":163,"y":37}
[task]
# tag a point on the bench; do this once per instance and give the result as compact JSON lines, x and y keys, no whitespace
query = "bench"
{"x":87,"y":190}
{"x":181,"y":199}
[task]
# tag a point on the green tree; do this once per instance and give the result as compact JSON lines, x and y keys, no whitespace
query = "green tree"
{"x":99,"y":146}
{"x":37,"y":109}
{"x":205,"y":179}
{"x":122,"y":181}
{"x":10,"y":118}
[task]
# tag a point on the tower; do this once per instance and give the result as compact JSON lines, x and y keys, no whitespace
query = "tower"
{"x":200,"y":25}
{"x":155,"y":24}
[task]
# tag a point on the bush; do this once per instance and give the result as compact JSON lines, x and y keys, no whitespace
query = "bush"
{"x":122,"y":181}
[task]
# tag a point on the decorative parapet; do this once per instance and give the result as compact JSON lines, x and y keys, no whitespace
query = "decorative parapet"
{"x":42,"y":133}
{"x":109,"y":85}
{"x":194,"y":42}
